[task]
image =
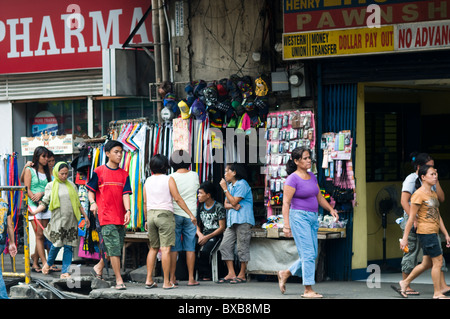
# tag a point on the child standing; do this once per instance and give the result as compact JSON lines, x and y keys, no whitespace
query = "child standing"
{"x":109,"y":196}
{"x":209,"y":229}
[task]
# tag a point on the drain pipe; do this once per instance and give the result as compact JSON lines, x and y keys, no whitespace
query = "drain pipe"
{"x":164,"y":43}
{"x":157,"y":52}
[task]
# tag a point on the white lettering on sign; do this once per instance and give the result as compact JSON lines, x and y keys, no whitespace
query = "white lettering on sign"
{"x":70,"y":32}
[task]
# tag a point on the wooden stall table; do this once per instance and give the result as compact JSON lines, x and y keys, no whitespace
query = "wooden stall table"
{"x":130,"y":239}
{"x":271,"y":251}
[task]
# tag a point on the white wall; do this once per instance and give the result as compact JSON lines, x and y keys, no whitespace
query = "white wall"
{"x":6,"y":130}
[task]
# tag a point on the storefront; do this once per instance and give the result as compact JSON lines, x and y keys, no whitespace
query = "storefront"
{"x":53,"y":72}
{"x":382,"y":72}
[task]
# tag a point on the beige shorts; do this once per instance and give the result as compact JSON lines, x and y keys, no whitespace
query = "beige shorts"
{"x":161,"y":228}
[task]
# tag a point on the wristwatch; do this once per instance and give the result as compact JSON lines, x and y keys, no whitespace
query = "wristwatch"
{"x":128,"y":210}
{"x":225,"y":190}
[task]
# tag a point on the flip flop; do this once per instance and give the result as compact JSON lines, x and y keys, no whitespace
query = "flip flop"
{"x":171,"y":287}
{"x":312,"y":295}
{"x":224,"y":281}
{"x":36,"y":269}
{"x":441,"y":297}
{"x":152,"y":285}
{"x":95,"y":275}
{"x":54,"y":269}
{"x":413,"y":292}
{"x":282,"y":286}
{"x":120,"y":287}
{"x":196,"y":284}
{"x":238,"y":280}
{"x":399,"y":291}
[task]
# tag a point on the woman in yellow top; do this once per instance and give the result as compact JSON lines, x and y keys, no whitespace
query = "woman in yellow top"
{"x":425,"y":210}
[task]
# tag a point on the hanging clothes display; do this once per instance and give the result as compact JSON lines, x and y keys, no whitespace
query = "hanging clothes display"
{"x":9,"y":176}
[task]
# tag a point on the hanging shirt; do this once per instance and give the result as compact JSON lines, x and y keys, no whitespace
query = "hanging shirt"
{"x":4,"y":213}
{"x":109,"y":186}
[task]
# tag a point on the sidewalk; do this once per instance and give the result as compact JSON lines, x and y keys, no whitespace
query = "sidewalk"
{"x":251,"y":290}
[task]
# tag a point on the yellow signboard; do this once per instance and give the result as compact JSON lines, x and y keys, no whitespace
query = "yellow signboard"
{"x":338,"y":42}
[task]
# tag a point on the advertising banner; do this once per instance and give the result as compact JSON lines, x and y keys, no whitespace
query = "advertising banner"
{"x":338,"y":42}
{"x":40,"y":36}
{"x":58,"y":144}
{"x":423,"y":36}
{"x":387,"y":39}
{"x":315,"y":15}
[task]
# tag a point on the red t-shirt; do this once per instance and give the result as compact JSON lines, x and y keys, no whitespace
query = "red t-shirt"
{"x":109,"y":186}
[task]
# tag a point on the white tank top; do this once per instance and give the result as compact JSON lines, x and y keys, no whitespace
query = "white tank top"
{"x":158,"y":192}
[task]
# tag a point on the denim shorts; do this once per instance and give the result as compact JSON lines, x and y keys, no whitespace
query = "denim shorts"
{"x":185,"y":234}
{"x":431,"y":244}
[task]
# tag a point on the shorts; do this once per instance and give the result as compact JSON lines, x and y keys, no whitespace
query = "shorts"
{"x":431,"y":244}
{"x":239,"y":234}
{"x":185,"y":234}
{"x":44,"y":215}
{"x":161,"y":228}
{"x":113,"y":238}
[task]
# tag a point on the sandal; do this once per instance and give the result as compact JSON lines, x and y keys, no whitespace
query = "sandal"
{"x":224,"y":281}
{"x":399,"y":291}
{"x":281,"y":284}
{"x":65,"y":276}
{"x":54,"y":269}
{"x":312,"y":295}
{"x":412,"y":292}
{"x":36,"y":269}
{"x":171,"y":287}
{"x":150,"y":286}
{"x":120,"y":287}
{"x":238,"y":280}
{"x":45,"y":269}
{"x":95,"y":275}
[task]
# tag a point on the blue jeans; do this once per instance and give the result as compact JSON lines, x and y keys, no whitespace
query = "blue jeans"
{"x":67,"y":257}
{"x":3,"y":292}
{"x":304,"y":227}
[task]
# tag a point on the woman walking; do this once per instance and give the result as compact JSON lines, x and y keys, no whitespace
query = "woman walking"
{"x":301,"y":200}
{"x":36,"y":179}
{"x":425,"y":211}
{"x":61,"y":197}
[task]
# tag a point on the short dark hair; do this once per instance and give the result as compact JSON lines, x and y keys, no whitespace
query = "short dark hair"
{"x":111,"y":144}
{"x":208,"y":188}
{"x":179,"y":159}
{"x":241,"y":172}
{"x":159,"y":164}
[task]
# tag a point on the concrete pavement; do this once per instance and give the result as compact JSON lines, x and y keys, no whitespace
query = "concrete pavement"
{"x":85,"y":286}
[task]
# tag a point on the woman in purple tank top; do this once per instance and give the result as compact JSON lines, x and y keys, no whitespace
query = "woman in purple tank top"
{"x":301,"y":200}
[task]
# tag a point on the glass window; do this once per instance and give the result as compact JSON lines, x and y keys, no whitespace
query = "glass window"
{"x":392,"y":133}
{"x":106,"y":111}
{"x":57,"y":117}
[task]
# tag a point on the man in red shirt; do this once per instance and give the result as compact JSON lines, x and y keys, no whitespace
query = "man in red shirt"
{"x":109,"y":197}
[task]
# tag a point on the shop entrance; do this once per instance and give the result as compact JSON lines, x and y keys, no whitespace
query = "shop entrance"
{"x":402,"y":117}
